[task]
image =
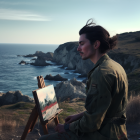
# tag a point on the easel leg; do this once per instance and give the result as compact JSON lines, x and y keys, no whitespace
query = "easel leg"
{"x":45,"y":129}
{"x":30,"y":124}
{"x":56,"y":120}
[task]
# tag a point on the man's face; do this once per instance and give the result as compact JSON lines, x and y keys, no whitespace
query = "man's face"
{"x":85,"y":48}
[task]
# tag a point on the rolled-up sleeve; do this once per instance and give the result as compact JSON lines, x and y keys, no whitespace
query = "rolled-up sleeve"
{"x":97,"y":103}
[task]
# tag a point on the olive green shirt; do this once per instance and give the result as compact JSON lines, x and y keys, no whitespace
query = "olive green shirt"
{"x":107,"y":91}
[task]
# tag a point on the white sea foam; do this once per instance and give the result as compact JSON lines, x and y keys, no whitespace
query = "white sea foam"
{"x":1,"y":91}
{"x":79,"y":80}
{"x":55,"y":67}
{"x":77,"y":74}
{"x":70,"y":72}
{"x":34,"y":78}
{"x":50,"y":62}
{"x":22,"y":64}
{"x":27,"y":60}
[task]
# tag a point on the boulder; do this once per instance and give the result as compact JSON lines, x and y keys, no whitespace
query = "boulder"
{"x":30,"y":55}
{"x":40,"y":61}
{"x":23,"y":62}
{"x":84,"y":81}
{"x":47,"y":56}
{"x":70,"y":89}
{"x":12,"y":97}
{"x":82,"y":75}
{"x":20,"y":55}
{"x":55,"y":78}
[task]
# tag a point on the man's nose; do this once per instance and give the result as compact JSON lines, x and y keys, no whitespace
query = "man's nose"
{"x":78,"y":49}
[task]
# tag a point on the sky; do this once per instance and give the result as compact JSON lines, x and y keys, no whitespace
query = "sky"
{"x":59,"y":21}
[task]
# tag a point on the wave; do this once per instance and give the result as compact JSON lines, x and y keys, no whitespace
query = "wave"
{"x":27,"y":60}
{"x":50,"y":62}
{"x":34,"y":78}
{"x":77,"y":73}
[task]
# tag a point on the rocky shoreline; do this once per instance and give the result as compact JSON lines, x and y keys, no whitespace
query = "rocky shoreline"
{"x":64,"y":90}
{"x":67,"y":55}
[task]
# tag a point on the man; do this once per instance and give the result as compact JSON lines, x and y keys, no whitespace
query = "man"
{"x":107,"y":90}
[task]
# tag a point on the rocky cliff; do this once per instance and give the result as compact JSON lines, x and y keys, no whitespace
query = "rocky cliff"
{"x":127,"y":54}
{"x":67,"y":55}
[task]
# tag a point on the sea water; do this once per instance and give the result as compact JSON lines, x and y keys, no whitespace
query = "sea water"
{"x":14,"y":76}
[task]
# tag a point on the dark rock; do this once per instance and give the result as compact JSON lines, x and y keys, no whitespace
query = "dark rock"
{"x":70,"y":68}
{"x":55,"y":78}
{"x":47,"y":56}
{"x":30,"y":55}
{"x":12,"y":97}
{"x":23,"y":62}
{"x":84,"y":81}
{"x":20,"y":55}
{"x":62,"y":67}
{"x":40,"y":61}
{"x":82,"y":75}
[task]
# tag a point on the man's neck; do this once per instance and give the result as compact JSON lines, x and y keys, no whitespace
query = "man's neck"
{"x":96,"y":57}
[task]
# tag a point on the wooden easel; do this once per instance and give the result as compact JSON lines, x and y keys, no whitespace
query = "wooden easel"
{"x":34,"y":115}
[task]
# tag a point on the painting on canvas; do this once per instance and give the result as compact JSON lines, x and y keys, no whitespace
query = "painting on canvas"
{"x":47,"y":101}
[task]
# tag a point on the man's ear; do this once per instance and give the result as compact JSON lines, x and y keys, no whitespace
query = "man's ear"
{"x":97,"y":44}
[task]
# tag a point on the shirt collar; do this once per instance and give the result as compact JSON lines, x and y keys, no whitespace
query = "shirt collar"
{"x":101,"y":60}
{"x":104,"y":57}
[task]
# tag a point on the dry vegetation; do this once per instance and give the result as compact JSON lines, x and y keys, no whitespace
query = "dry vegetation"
{"x":133,"y":109}
{"x":16,"y":115}
{"x":129,"y":43}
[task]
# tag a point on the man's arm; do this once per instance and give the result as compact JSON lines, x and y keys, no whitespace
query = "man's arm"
{"x":97,"y":103}
{"x":73,"y":118}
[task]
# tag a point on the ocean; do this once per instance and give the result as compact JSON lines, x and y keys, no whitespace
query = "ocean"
{"x":14,"y":76}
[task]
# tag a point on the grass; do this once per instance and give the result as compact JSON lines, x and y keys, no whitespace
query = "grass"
{"x":134,"y":83}
{"x":133,"y":109}
{"x":8,"y":125}
{"x":129,"y":46}
{"x":69,"y":108}
{"x":13,"y":116}
{"x":19,"y":112}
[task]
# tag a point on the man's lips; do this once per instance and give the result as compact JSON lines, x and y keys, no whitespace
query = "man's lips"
{"x":81,"y":53}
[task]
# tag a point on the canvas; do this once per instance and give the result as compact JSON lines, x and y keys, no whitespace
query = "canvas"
{"x":46,"y":101}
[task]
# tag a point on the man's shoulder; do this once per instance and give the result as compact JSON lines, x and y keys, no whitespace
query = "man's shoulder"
{"x":110,"y":66}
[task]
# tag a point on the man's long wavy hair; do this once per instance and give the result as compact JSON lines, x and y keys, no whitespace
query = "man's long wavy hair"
{"x":95,"y":32}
